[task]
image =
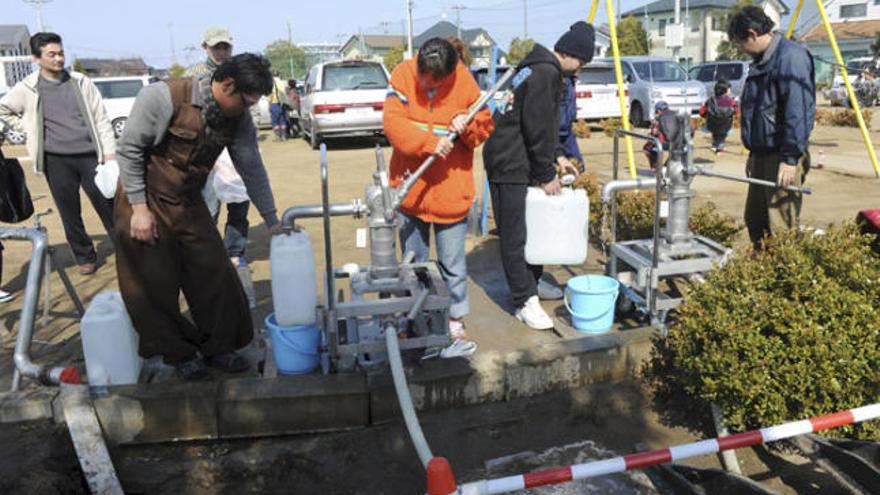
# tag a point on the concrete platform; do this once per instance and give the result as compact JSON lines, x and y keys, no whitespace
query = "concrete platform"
{"x":260,"y":407}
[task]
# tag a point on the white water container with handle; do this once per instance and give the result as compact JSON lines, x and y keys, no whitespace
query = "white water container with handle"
{"x":294,"y":287}
{"x":110,"y":344}
{"x":557,"y":227}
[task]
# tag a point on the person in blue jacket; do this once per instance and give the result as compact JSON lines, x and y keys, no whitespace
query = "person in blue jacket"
{"x":778,"y":110}
{"x":567,"y":117}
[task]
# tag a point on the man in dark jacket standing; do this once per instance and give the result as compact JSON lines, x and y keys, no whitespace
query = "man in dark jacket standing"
{"x":524,"y":150}
{"x":778,"y":110}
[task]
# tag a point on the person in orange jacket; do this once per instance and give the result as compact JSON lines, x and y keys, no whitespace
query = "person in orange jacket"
{"x":430,"y":97}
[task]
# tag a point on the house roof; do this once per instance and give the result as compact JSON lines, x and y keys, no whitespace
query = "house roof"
{"x":844,"y":30}
{"x":445,"y":29}
{"x":669,"y":6}
{"x":12,"y":34}
{"x":380,"y":41}
{"x":104,"y":64}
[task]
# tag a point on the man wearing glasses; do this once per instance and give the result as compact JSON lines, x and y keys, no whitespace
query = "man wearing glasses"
{"x":167,"y":242}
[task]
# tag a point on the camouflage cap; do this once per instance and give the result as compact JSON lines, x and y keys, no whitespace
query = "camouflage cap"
{"x":216,"y":34}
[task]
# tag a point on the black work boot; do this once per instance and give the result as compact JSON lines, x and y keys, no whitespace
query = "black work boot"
{"x":229,"y":362}
{"x":193,"y":370}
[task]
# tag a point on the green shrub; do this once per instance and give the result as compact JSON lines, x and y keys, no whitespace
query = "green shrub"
{"x":707,"y":221}
{"x":582,"y":129}
{"x":779,"y":335}
{"x":610,"y":126}
{"x":635,"y":210}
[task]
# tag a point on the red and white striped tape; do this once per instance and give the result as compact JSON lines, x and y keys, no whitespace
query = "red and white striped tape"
{"x":677,"y":453}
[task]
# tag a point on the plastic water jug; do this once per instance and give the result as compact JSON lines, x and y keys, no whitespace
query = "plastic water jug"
{"x":110,"y":344}
{"x":294,"y":287}
{"x":557,"y":227}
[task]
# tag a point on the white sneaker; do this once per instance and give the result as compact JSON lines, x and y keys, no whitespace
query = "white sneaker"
{"x":533,"y":315}
{"x":5,"y":296}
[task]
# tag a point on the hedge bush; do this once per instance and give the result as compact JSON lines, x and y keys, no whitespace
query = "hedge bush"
{"x":582,"y":129}
{"x":778,"y":335}
{"x":635,"y":210}
{"x":610,"y":126}
{"x":842,"y":117}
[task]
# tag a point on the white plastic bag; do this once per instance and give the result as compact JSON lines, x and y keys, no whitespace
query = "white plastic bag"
{"x":210,"y":196}
{"x":107,"y":178}
{"x":228,"y":185}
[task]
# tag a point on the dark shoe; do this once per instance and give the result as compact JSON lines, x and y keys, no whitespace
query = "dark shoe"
{"x":193,"y":370}
{"x":229,"y":362}
{"x":548,"y":291}
{"x":87,"y":268}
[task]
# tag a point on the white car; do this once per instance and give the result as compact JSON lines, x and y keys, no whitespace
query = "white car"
{"x":596,"y":91}
{"x":343,"y":99}
{"x":119,"y":94}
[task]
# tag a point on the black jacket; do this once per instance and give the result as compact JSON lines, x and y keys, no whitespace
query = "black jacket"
{"x":524,"y":147}
{"x":779,"y":101}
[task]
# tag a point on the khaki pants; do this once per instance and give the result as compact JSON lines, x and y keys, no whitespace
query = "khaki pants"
{"x":769,"y":209}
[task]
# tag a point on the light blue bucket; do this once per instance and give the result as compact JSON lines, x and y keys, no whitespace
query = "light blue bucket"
{"x":592,"y":302}
{"x":295,"y":348}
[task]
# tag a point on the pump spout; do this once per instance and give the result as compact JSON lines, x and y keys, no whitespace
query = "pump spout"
{"x":610,"y":189}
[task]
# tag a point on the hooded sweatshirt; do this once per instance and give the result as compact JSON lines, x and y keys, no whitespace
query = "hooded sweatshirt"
{"x":525,"y":145}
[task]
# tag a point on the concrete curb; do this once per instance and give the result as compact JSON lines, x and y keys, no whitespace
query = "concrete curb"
{"x":260,"y":407}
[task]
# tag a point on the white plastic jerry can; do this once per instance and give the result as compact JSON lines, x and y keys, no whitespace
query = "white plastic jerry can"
{"x":557,"y":227}
{"x":294,"y":286}
{"x":110,"y":344}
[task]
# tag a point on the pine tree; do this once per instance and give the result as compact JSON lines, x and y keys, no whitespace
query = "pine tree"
{"x":632,"y":39}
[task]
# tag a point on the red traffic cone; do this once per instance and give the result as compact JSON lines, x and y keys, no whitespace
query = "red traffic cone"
{"x":441,"y":481}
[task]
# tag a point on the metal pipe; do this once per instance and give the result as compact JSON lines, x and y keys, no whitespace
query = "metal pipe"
{"x":288,"y":219}
{"x":404,"y":398}
{"x":747,"y":180}
{"x":610,"y":189}
{"x":23,"y":364}
{"x":410,"y":181}
{"x":330,"y":281}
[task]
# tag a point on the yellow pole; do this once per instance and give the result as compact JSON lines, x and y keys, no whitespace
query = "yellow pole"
{"x":849,"y":90}
{"x":794,"y":18}
{"x":593,"y":10}
{"x":621,"y":92}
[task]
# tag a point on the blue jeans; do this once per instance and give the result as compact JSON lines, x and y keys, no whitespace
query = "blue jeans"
{"x":415,"y":236}
{"x":236,"y":232}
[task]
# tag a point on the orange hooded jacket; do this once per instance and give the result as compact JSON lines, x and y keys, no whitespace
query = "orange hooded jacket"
{"x":414,"y":125}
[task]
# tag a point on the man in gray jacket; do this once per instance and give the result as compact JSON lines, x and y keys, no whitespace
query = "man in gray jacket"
{"x":68,"y":135}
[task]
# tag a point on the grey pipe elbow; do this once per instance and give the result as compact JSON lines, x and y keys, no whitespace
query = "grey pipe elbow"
{"x":610,"y":189}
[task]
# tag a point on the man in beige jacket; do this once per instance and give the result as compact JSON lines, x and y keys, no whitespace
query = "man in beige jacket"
{"x":68,"y":135}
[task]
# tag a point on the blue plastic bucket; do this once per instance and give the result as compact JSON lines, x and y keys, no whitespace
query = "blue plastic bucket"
{"x":295,"y":348}
{"x":592,"y":302}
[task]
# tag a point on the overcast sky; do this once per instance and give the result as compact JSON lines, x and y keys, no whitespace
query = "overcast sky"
{"x":121,"y":28}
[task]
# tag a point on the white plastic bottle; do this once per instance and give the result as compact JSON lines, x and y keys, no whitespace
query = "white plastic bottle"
{"x":557,"y":227}
{"x":294,"y":287}
{"x":110,"y":344}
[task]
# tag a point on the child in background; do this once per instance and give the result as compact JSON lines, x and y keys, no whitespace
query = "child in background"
{"x":650,"y":148}
{"x":718,"y":112}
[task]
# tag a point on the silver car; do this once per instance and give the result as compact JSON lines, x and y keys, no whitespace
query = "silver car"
{"x":653,"y":79}
{"x":733,"y":71}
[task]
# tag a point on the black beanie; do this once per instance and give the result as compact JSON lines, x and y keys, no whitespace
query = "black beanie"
{"x":579,"y":41}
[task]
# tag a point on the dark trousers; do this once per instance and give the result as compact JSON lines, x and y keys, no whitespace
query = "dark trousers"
{"x":770,"y":210}
{"x":509,"y":208}
{"x":236,"y":233}
{"x":188,"y":256}
{"x":65,"y":174}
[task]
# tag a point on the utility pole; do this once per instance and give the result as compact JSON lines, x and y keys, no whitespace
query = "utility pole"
{"x":171,"y":39}
{"x":409,"y":30}
{"x":385,"y":25}
{"x":458,"y":9}
{"x":289,"y":48}
{"x":677,"y":49}
{"x":525,"y":19}
{"x":38,"y":4}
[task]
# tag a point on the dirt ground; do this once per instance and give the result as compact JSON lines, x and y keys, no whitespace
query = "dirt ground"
{"x":845,"y":185}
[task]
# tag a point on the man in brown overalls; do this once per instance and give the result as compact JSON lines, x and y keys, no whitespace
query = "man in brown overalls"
{"x":167,"y":241}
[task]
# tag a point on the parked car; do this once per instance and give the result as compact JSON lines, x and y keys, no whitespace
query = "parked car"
{"x":652,"y":79}
{"x":734,"y":71}
{"x":343,"y":99}
{"x":119,"y":94}
{"x":596,"y":91}
{"x":12,"y":136}
{"x":855,"y":70}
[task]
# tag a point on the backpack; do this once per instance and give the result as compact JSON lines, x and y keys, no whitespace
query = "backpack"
{"x":15,"y":199}
{"x":719,"y":119}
